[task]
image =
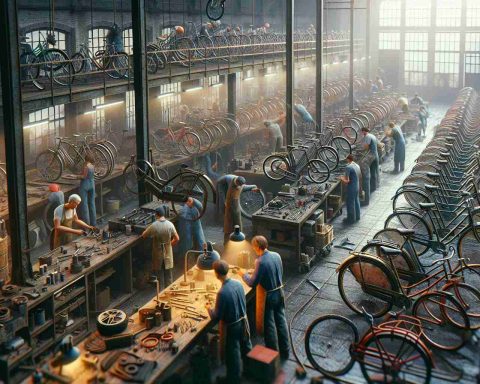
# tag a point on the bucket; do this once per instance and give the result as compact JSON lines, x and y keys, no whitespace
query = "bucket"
{"x":112,"y":206}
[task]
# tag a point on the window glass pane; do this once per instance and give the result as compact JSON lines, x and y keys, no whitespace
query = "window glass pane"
{"x":128,"y":41}
{"x":417,"y":13}
{"x":472,"y":42}
{"x":449,"y":13}
{"x":472,"y":63}
{"x":97,"y":38}
{"x":416,"y":41}
{"x":389,"y":40}
{"x":447,"y":41}
{"x":473,"y":13}
{"x":390,"y":13}
{"x":38,"y":37}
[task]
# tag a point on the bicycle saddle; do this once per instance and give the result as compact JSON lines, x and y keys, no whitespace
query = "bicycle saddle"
{"x":433,"y":175}
{"x":430,"y":187}
{"x":391,"y":251}
{"x":406,"y":231}
{"x":465,"y":193}
{"x":448,"y":145}
{"x":426,"y":206}
{"x":450,"y":139}
{"x":442,"y":161}
{"x":445,"y":154}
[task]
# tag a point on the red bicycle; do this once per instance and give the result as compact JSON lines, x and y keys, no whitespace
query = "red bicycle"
{"x":183,"y":141}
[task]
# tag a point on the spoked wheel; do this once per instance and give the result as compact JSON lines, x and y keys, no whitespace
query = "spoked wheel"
{"x":133,"y":173}
{"x":393,"y":357}
{"x":342,"y":146}
{"x":445,"y":323}
{"x":275,"y":167}
{"x":329,"y":155}
{"x":412,"y":220}
{"x":58,"y":66}
{"x":189,"y":143}
{"x":184,"y":51}
{"x":78,"y":62}
{"x":468,"y":248}
{"x":121,"y":65}
{"x":358,"y":278}
{"x":251,"y":202}
{"x":103,"y":164}
{"x":111,"y":322}
{"x":331,"y":356}
{"x":49,"y":165}
{"x":215,"y":9}
{"x":318,"y":171}
{"x":469,"y":298}
{"x":184,"y":185}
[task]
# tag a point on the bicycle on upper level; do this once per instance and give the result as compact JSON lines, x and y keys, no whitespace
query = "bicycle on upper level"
{"x":215,"y":9}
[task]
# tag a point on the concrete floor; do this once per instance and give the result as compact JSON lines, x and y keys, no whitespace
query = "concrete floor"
{"x":323,"y":274}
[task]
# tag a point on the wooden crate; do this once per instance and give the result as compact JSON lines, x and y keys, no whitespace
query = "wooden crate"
{"x":323,"y":236}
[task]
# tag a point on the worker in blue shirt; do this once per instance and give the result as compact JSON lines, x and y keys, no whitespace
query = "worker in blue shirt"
{"x":270,"y":299}
{"x":352,"y":180}
{"x":230,"y":187}
{"x":306,"y":117}
{"x":399,"y":153}
{"x":371,"y":144}
{"x":231,"y":311}
{"x":190,"y":226}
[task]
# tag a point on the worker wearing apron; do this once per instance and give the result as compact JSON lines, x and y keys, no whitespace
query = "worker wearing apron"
{"x":352,"y":180}
{"x":274,"y":136}
{"x":270,"y":299}
{"x":399,"y":153}
{"x":190,"y":226}
{"x":64,"y":216}
{"x":371,"y":144}
{"x":230,"y":187}
{"x":231,"y":310}
{"x":164,"y":237}
{"x":87,"y":210}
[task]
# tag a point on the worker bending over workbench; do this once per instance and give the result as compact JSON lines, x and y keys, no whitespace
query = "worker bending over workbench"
{"x":352,"y":179}
{"x":395,"y":132}
{"x":270,"y":299}
{"x":370,"y":144}
{"x":231,"y":311}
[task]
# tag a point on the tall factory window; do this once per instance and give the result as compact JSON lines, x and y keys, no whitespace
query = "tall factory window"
{"x":417,"y":13}
{"x":390,"y":13}
{"x":449,"y":13}
{"x":447,"y":56}
{"x":472,"y":57}
{"x":473,"y":13}
{"x":416,"y":58}
{"x":128,"y":41}
{"x":39,"y":37}
{"x":389,"y":40}
{"x":97,"y":38}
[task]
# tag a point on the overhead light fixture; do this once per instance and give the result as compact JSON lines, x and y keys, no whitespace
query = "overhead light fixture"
{"x":345,"y":61}
{"x":103,"y":106}
{"x":237,"y":236}
{"x":193,"y":89}
{"x":355,"y":59}
{"x":303,"y":68}
{"x":216,"y":85}
{"x":269,"y":74}
{"x":335,"y":63}
{"x":90,"y":112}
{"x":162,"y":95}
{"x":248,"y":78}
{"x":36,"y":124}
{"x":363,"y":58}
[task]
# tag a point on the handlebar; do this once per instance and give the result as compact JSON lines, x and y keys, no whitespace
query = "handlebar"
{"x":368,"y":316}
{"x":450,"y":253}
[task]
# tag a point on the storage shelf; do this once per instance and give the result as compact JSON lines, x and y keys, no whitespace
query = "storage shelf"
{"x":118,"y":300}
{"x":70,"y":296}
{"x":76,"y":324}
{"x":104,"y":276}
{"x":73,"y":306}
{"x":39,"y":329}
{"x":43,"y":347}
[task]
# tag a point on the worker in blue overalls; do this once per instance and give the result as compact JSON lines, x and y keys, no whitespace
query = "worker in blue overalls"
{"x":399,"y":153}
{"x":352,"y":180}
{"x":371,"y":144}
{"x":87,"y":209}
{"x":190,"y":226}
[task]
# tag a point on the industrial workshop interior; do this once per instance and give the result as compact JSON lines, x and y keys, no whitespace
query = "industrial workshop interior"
{"x":240,"y":191}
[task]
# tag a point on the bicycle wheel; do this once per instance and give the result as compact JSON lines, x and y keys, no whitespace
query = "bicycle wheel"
{"x":468,"y":248}
{"x":355,"y":277}
{"x":102,"y":164}
{"x":49,"y":165}
{"x":342,"y":146}
{"x":107,"y":152}
{"x":136,"y":172}
{"x":121,"y":65}
{"x":215,"y":9}
{"x":184,"y":51}
{"x":412,"y":220}
{"x":251,"y":202}
{"x":329,"y":155}
{"x":275,"y":167}
{"x":434,"y":310}
{"x":152,"y":64}
{"x":318,"y":171}
{"x":78,"y":62}
{"x":469,"y":299}
{"x":58,"y":65}
{"x":189,"y":143}
{"x":409,"y":198}
{"x":389,"y":356}
{"x":331,"y":355}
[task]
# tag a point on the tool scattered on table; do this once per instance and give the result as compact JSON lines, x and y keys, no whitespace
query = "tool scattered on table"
{"x":345,"y":243}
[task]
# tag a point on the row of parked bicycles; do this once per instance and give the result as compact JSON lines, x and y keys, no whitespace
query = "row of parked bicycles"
{"x":425,"y":261}
{"x":46,"y":65}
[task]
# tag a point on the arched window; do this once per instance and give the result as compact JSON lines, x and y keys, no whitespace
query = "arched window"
{"x":128,"y":40}
{"x":97,"y":38}
{"x":40,"y":35}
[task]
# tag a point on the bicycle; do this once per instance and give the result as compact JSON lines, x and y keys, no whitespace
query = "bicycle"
{"x":377,"y":280}
{"x":51,"y":163}
{"x":172,"y":48}
{"x":291,"y":166}
{"x":114,"y":64}
{"x":183,"y":140}
{"x":215,"y":9}
{"x":177,"y":189}
{"x":393,"y":351}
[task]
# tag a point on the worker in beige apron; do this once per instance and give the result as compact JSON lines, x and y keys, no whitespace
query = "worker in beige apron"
{"x":64,"y":218}
{"x":231,"y":311}
{"x":164,"y":236}
{"x":230,"y":186}
{"x":270,"y":300}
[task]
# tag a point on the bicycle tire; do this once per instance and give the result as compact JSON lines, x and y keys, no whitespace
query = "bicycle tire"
{"x":135,"y":172}
{"x":275,"y":167}
{"x":52,"y":169}
{"x":346,"y":335}
{"x":469,"y":299}
{"x":376,"y":369}
{"x":468,"y":246}
{"x":31,"y":69}
{"x":108,"y":153}
{"x":190,"y":144}
{"x":102,"y":163}
{"x":52,"y":55}
{"x":184,"y":51}
{"x":438,"y":330}
{"x":318,"y":171}
{"x":215,"y":12}
{"x":388,"y":280}
{"x":121,"y":65}
{"x":329,"y":155}
{"x":409,"y":198}
{"x":152,"y":65}
{"x":251,"y":202}
{"x":411,"y":220}
{"x":342,"y":146}
{"x":78,"y":62}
